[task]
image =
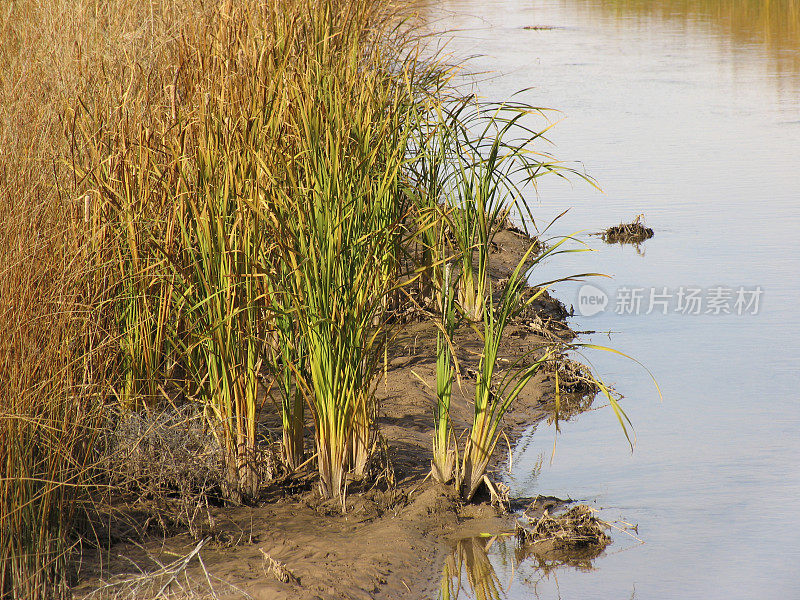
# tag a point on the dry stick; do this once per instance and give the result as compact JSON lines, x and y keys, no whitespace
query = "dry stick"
{"x":279,"y":570}
{"x":182,"y":566}
{"x":239,"y":591}
{"x":415,"y":488}
{"x":305,"y":462}
{"x":174,"y":569}
{"x":208,"y":577}
{"x":625,"y":530}
{"x":494,"y":492}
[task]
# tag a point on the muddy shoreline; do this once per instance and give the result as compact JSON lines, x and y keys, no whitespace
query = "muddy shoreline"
{"x":395,"y":533}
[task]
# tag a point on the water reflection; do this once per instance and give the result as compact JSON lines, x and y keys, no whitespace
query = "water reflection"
{"x":773,"y":25}
{"x":742,"y":28}
{"x":470,"y":572}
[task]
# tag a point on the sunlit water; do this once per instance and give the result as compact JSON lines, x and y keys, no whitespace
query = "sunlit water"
{"x":688,"y":112}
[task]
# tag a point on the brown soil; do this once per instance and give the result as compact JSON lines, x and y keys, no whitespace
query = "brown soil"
{"x":391,"y":541}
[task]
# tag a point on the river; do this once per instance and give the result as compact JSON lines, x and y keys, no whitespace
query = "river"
{"x":688,"y":112}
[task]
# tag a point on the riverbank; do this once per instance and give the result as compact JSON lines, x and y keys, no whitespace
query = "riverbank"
{"x":393,"y":537}
{"x":228,"y":286}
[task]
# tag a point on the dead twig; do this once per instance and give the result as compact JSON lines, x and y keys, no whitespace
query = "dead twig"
{"x":277,"y":569}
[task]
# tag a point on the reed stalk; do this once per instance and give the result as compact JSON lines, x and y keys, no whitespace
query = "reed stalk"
{"x":491,"y":402}
{"x":445,"y":451}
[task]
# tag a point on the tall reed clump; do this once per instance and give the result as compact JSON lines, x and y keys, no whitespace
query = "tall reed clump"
{"x":255,"y":226}
{"x":492,"y":154}
{"x":54,"y":365}
{"x":173,"y":167}
{"x":494,"y":398}
{"x":337,"y":203}
{"x":222,"y":291}
{"x":127,"y":210}
{"x":472,"y":164}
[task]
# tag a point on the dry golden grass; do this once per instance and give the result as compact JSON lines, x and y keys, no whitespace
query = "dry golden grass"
{"x":58,"y":348}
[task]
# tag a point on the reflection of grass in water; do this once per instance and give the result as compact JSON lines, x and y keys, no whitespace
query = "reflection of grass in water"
{"x":775,"y":24}
{"x":469,"y":557}
{"x":468,"y":571}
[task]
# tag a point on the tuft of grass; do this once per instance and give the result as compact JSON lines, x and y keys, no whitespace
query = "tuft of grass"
{"x":445,"y":450}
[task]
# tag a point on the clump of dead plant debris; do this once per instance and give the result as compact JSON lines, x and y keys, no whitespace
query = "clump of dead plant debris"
{"x":635,"y":232}
{"x":576,"y":529}
{"x":277,"y":569}
{"x":572,"y":376}
{"x":155,"y":451}
{"x":168,"y":465}
{"x":165,"y":580}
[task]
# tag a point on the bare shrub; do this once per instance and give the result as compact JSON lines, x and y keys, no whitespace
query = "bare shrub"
{"x":170,"y":464}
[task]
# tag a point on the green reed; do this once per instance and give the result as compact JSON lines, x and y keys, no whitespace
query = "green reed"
{"x":336,"y":221}
{"x":477,"y":161}
{"x":445,"y":450}
{"x":492,"y":402}
{"x":223,"y":293}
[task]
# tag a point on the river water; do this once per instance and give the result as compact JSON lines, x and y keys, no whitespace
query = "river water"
{"x":686,"y":111}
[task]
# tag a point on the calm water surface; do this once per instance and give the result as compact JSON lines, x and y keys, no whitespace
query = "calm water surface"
{"x":688,"y":112}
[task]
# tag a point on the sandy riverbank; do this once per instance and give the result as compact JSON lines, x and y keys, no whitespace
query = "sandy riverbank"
{"x":392,"y":539}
